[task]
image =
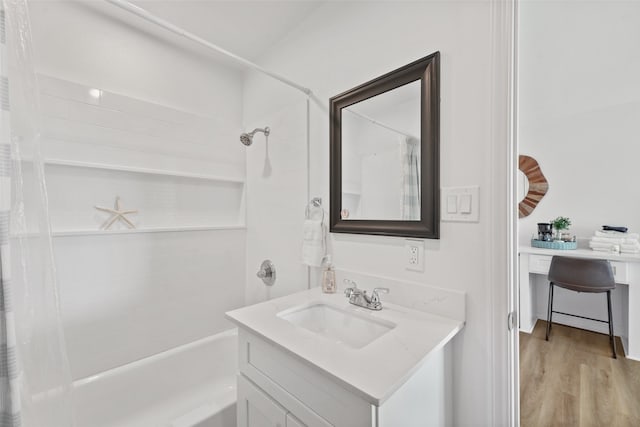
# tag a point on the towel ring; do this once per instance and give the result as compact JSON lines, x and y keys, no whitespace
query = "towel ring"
{"x":314,"y":205}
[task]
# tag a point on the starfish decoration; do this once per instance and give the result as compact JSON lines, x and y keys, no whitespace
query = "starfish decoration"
{"x":116,"y":214}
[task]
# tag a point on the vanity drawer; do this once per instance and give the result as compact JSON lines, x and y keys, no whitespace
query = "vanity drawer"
{"x":311,"y":397}
{"x":620,"y":271}
{"x":539,"y":264}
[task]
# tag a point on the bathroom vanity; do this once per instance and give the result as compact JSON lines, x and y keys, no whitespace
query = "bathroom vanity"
{"x":313,"y":359}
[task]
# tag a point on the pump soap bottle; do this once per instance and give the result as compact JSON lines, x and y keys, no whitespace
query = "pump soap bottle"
{"x":328,"y":277}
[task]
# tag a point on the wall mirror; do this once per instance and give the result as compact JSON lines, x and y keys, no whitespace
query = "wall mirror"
{"x":384,"y":163}
{"x":532,"y":185}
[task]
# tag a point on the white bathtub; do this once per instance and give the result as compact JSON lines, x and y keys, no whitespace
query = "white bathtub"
{"x":193,"y":385}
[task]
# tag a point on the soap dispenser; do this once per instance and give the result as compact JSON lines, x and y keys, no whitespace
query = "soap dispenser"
{"x":328,"y":277}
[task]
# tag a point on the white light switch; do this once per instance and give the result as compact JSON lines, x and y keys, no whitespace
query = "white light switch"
{"x":466,"y":200}
{"x":465,"y":203}
{"x":452,"y":204}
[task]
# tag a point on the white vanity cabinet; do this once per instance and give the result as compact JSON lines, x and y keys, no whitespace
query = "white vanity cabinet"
{"x":277,"y":389}
{"x":311,"y":359}
{"x":256,"y":408}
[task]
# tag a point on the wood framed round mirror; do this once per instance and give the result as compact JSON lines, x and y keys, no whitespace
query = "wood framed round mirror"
{"x":534,"y":186}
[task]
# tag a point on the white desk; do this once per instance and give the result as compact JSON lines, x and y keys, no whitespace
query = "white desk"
{"x":626,"y":269}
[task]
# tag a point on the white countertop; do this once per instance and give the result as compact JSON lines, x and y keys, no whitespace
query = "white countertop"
{"x":373,"y":372}
{"x":581,"y":253}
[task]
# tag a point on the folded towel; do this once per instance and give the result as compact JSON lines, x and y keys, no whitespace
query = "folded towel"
{"x":601,"y":245}
{"x":601,"y":250}
{"x":630,"y":246}
{"x":610,"y":240}
{"x":313,"y":248}
{"x":630,"y":251}
{"x":617,"y":234}
{"x":604,"y":247}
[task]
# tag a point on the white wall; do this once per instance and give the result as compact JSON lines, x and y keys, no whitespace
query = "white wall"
{"x":127,"y":296}
{"x":579,"y":110}
{"x":344,"y":44}
{"x":579,"y":115}
{"x":276,"y":189}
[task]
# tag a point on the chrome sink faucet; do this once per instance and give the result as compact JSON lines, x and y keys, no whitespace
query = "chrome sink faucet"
{"x":360,"y":298}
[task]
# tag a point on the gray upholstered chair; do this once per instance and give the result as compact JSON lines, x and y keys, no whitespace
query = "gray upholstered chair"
{"x":581,"y":275}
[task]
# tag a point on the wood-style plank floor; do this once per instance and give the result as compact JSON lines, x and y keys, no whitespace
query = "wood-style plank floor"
{"x":573,"y":380}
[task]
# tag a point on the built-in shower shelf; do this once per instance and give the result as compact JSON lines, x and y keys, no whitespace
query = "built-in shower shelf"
{"x":164,"y":201}
{"x":131,"y":169}
{"x":71,"y":233}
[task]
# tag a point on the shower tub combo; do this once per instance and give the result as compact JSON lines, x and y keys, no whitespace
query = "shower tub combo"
{"x":193,"y":385}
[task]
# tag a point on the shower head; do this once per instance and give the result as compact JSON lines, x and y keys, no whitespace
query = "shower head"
{"x":247,"y":138}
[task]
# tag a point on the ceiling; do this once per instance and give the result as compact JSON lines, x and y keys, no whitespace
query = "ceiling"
{"x":245,"y":28}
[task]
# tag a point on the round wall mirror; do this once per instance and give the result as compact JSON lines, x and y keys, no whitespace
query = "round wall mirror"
{"x":532,"y":185}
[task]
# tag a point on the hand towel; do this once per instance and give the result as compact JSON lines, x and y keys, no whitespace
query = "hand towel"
{"x":610,"y":240}
{"x":617,"y":234}
{"x":313,"y":243}
{"x":601,"y":245}
{"x":630,"y":247}
{"x":601,"y":250}
{"x":604,"y":247}
{"x":630,"y":251}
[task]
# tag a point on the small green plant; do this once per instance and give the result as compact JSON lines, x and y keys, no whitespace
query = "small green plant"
{"x":561,"y":223}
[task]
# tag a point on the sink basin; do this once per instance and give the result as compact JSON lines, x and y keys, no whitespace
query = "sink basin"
{"x":349,"y":328}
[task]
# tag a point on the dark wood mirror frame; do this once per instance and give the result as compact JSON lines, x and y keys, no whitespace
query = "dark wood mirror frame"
{"x":427,"y":70}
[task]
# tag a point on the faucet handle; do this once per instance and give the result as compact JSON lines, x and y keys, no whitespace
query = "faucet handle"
{"x":350,"y":283}
{"x":375,"y":298}
{"x":351,"y":287}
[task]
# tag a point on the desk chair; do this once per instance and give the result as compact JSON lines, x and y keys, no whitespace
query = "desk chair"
{"x":581,"y":275}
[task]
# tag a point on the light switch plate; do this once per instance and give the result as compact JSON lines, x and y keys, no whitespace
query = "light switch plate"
{"x":452,"y":204}
{"x":467,"y":209}
{"x":465,"y":203}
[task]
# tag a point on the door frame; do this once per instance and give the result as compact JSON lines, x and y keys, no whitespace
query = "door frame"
{"x":503,"y":260}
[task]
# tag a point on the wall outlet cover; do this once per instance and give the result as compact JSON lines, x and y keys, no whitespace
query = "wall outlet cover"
{"x":414,"y":253}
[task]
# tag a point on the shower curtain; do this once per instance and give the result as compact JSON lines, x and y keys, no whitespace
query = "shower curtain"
{"x":9,"y":395}
{"x":410,"y":179}
{"x":35,"y":380}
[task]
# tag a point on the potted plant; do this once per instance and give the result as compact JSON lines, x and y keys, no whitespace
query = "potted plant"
{"x":559,"y":224}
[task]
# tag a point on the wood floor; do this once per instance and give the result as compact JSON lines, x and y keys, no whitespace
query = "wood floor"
{"x":572,"y":380}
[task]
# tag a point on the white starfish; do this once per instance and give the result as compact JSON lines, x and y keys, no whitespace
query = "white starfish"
{"x":116,"y":214}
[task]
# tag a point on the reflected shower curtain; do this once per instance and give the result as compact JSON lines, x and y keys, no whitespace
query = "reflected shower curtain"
{"x":35,"y":381}
{"x":410,"y":179}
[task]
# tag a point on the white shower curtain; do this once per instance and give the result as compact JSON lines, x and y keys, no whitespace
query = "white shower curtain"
{"x":410,"y":179}
{"x":35,"y":381}
{"x":9,"y":392}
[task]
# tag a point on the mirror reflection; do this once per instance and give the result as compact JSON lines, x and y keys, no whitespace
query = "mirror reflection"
{"x":381,"y":156}
{"x":523,"y":186}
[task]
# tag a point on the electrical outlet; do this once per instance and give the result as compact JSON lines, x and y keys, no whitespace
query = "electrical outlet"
{"x":414,"y":254}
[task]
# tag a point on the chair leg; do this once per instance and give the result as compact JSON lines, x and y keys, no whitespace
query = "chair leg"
{"x":549,"y":310}
{"x":612,"y":337}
